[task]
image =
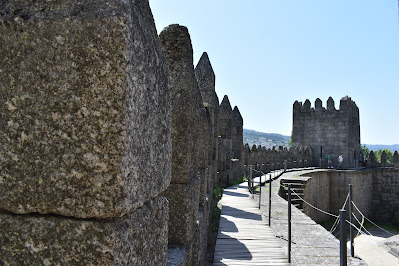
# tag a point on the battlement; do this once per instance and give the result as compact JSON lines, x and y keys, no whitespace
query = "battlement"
{"x":346,"y":105}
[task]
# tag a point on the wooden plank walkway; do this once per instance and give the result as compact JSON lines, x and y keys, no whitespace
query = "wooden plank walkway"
{"x":244,"y":238}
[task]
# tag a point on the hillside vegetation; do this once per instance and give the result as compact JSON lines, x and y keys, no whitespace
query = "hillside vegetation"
{"x":265,"y":139}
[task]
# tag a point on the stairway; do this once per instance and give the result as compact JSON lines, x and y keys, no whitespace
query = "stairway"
{"x":297,"y":185}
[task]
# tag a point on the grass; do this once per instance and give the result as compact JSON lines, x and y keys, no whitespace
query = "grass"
{"x":239,"y":181}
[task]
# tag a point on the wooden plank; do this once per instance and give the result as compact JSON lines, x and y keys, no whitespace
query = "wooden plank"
{"x":243,"y":237}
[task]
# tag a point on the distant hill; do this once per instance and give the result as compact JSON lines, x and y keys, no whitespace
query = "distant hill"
{"x":265,"y":139}
{"x":376,"y":147}
{"x":272,"y":139}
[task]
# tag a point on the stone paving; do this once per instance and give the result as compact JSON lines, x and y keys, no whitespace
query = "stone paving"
{"x":311,"y":244}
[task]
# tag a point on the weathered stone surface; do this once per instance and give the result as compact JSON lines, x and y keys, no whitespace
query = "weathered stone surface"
{"x":84,"y":106}
{"x":206,"y":82}
{"x":183,"y":210}
{"x":139,"y":238}
{"x":185,"y":102}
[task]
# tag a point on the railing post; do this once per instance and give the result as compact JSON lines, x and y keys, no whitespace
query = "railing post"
{"x":270,"y":198}
{"x":289,"y":223}
{"x":260,"y":189}
{"x":250,"y":179}
{"x":252,"y":183}
{"x":350,"y":222}
{"x":342,"y":238}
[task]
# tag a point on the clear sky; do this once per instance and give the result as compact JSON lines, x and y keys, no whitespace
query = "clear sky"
{"x":268,"y":53}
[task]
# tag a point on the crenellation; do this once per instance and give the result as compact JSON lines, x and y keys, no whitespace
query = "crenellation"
{"x":318,"y":105}
{"x":330,"y":104}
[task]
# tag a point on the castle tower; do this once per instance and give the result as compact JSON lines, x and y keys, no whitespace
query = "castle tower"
{"x":328,"y":132}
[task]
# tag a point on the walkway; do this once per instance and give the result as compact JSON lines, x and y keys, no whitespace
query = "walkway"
{"x":244,"y":238}
{"x":311,"y":243}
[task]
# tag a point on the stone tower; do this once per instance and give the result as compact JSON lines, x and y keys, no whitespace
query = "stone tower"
{"x":328,"y":131}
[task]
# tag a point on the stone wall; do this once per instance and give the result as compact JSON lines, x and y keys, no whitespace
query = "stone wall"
{"x":111,"y":142}
{"x":328,"y":131}
{"x":201,"y":147}
{"x":264,"y":160}
{"x":375,"y":193}
{"x":85,"y":146}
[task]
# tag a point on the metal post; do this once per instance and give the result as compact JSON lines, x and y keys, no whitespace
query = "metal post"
{"x":250,"y":179}
{"x":270,"y":198}
{"x":350,"y":222}
{"x":260,"y":190}
{"x":342,"y":238}
{"x":252,"y":184}
{"x":289,"y":223}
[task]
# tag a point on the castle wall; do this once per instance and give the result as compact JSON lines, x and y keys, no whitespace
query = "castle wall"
{"x":375,"y":193}
{"x":101,"y":121}
{"x":80,"y":176}
{"x":328,"y":131}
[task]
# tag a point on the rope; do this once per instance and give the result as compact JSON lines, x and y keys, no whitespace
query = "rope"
{"x":371,"y":221}
{"x":306,"y":242}
{"x":361,"y":226}
{"x":320,"y":210}
{"x":334,"y":227}
{"x":375,"y":242}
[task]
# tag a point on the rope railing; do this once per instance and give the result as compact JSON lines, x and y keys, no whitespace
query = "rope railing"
{"x":338,"y":221}
{"x":335,"y":225}
{"x":314,"y":207}
{"x":371,"y":221}
{"x":368,"y":234}
{"x":309,"y":245}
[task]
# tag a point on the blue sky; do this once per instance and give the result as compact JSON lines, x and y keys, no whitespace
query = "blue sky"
{"x":268,"y":53}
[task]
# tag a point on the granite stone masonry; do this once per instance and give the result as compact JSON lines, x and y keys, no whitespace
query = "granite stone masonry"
{"x":135,"y":239}
{"x":85,"y":110}
{"x":176,"y":45}
{"x":328,"y":132}
{"x":225,"y":133}
{"x":375,"y":193}
{"x":101,"y":119}
{"x":85,"y":145}
{"x":191,"y":134}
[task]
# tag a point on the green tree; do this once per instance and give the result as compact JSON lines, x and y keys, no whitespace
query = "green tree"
{"x":389,"y":155}
{"x":364,"y":150}
{"x":291,"y":140}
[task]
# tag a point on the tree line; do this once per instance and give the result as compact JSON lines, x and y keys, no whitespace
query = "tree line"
{"x":366,"y":152}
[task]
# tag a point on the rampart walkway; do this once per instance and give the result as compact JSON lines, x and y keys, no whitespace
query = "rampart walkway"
{"x":244,"y":237}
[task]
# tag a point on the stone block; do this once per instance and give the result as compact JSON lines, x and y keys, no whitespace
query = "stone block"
{"x":188,"y":113}
{"x":139,"y":238}
{"x":200,"y":240}
{"x":203,"y":186}
{"x":84,"y":104}
{"x":183,"y":209}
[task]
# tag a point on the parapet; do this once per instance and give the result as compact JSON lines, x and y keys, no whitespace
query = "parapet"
{"x":346,"y":105}
{"x":237,"y":118}
{"x":204,"y":73}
